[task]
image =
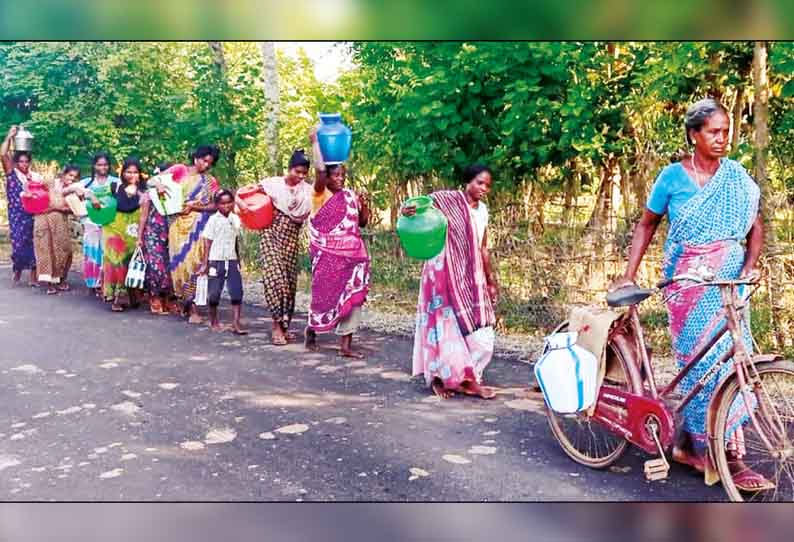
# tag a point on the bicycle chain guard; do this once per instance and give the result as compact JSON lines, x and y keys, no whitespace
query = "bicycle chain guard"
{"x":629,"y":415}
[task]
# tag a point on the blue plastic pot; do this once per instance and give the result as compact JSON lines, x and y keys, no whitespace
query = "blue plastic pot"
{"x":334,"y":138}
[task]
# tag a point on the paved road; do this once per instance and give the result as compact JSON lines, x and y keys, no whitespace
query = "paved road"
{"x":105,"y":406}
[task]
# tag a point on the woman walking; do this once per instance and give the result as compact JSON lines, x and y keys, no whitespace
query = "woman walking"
{"x":16,"y":167}
{"x":454,"y":340}
{"x":52,"y":235}
{"x":186,"y":248}
{"x":340,"y":262}
{"x":711,"y":205}
{"x":99,"y":183}
{"x":121,"y":235}
{"x":153,"y":241}
{"x":278,"y":247}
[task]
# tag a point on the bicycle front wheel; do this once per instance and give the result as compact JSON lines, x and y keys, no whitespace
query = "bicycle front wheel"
{"x":774,"y":413}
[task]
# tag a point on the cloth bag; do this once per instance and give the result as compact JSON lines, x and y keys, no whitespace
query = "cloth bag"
{"x":136,"y":272}
{"x":202,"y":286}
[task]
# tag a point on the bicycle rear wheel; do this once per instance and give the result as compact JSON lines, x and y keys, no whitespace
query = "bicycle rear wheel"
{"x":775,"y":415}
{"x":585,"y":441}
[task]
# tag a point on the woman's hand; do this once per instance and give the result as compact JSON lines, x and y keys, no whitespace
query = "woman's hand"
{"x":620,"y":282}
{"x":750,"y":273}
{"x":313,"y":135}
{"x":202,"y":270}
{"x":12,"y":131}
{"x":493,"y":292}
{"x":95,"y":202}
{"x":139,"y":243}
{"x":408,"y":210}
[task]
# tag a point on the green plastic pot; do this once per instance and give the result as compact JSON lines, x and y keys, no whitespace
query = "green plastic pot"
{"x":423,"y":235}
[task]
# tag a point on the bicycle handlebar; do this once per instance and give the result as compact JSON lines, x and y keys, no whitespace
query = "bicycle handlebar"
{"x":708,"y":281}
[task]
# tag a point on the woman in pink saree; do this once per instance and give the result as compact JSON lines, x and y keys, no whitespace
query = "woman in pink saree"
{"x":455,"y":316}
{"x":340,"y":262}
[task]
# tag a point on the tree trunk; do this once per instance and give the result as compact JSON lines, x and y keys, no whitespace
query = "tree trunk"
{"x":738,"y":107}
{"x":219,"y":63}
{"x":272,"y":105}
{"x":761,"y":128}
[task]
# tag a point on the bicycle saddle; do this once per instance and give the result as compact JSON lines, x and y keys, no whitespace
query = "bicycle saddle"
{"x":628,"y":295}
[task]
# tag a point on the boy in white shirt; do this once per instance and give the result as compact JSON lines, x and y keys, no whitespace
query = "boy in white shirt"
{"x":221,"y":262}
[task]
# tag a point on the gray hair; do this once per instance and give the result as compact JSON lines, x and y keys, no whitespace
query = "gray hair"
{"x":698,"y":113}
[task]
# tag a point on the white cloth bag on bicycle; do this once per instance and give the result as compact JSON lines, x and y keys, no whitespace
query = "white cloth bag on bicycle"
{"x":567,"y":374}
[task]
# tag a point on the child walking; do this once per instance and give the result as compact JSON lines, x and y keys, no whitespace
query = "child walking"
{"x":221,"y":261}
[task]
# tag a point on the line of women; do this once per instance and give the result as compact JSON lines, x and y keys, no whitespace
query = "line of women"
{"x":455,"y":316}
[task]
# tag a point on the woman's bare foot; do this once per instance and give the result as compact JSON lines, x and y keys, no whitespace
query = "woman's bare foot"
{"x":116,"y":307}
{"x":63,"y":287}
{"x":440,"y":390}
{"x":470,"y":387}
{"x":277,"y":336}
{"x":51,"y":290}
{"x":696,"y":461}
{"x":217,"y":327}
{"x":310,"y":339}
{"x":347,"y":353}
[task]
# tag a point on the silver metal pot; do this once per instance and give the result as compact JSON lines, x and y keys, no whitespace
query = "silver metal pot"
{"x":23,"y":140}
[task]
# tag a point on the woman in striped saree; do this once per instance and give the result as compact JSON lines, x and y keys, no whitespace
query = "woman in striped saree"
{"x":186,"y":249}
{"x":711,"y":205}
{"x":455,"y":318}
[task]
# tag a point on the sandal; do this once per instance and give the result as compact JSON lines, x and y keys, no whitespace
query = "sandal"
{"x":116,"y":308}
{"x":749,"y":481}
{"x":239,"y":331}
{"x":278,"y":340}
{"x":52,"y":291}
{"x":64,"y":287}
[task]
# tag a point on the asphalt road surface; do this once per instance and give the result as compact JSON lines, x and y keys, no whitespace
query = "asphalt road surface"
{"x":105,"y":406}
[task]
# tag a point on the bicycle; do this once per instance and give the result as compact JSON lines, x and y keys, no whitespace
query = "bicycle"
{"x":630,"y":408}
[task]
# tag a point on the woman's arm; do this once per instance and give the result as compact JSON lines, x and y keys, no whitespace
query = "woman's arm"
{"x":146,"y":206}
{"x":321,"y":177}
{"x":5,"y":151}
{"x":643,"y":234}
{"x":755,"y":243}
{"x":364,"y":213}
{"x":490,"y":275}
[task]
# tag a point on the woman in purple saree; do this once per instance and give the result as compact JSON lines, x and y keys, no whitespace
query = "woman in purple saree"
{"x":340,"y":262}
{"x":712,"y":205}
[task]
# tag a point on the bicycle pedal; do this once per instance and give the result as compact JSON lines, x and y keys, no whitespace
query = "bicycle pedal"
{"x":656,"y":469}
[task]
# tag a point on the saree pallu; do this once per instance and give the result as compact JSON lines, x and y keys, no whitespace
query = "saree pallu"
{"x":706,"y":235}
{"x":118,"y":240}
{"x":20,"y":226}
{"x":155,"y":250}
{"x":340,"y":262}
{"x":53,"y":246}
{"x":454,"y":338}
{"x":278,"y":258}
{"x":92,"y":254}
{"x":185,"y":247}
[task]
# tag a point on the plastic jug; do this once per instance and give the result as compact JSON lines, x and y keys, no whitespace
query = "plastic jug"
{"x":334,"y":138}
{"x":261,"y":214}
{"x":38,"y":199}
{"x":107,"y":213}
{"x":423,"y":235}
{"x":169,"y":203}
{"x":567,"y":374}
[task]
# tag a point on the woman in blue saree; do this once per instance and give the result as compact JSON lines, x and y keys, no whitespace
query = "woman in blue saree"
{"x":711,"y":205}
